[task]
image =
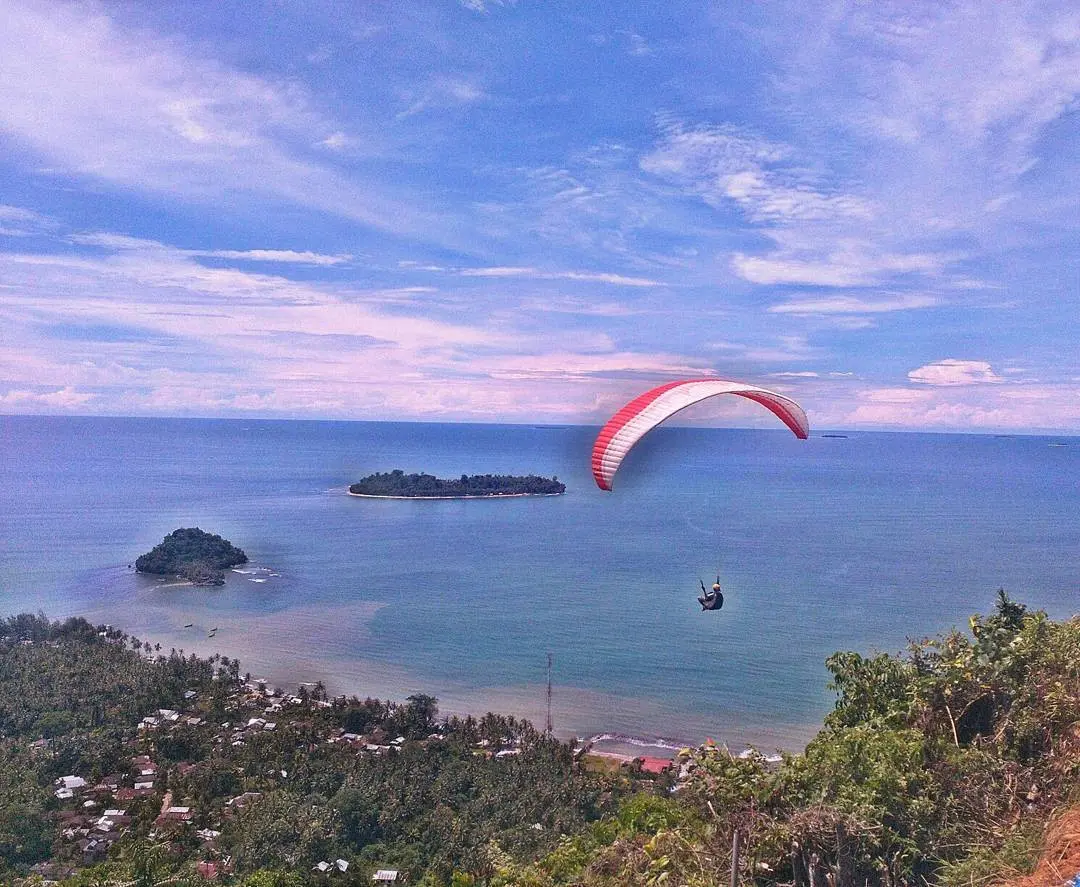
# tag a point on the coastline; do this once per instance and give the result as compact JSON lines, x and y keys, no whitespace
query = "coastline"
{"x":273,"y":646}
{"x":276,"y":644}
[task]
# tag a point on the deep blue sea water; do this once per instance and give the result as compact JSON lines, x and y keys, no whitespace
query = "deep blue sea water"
{"x":827,"y":544}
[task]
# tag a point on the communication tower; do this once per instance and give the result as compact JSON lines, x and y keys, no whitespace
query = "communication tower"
{"x":547,"y":726}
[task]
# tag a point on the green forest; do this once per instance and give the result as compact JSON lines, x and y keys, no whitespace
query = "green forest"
{"x":941,"y":764}
{"x":191,"y":553}
{"x":398,"y":483}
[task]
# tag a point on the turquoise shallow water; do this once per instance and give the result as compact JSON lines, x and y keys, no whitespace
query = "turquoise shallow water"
{"x":832,"y":543}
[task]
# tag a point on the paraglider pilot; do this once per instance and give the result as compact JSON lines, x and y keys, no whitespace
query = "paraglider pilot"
{"x":711,"y":600}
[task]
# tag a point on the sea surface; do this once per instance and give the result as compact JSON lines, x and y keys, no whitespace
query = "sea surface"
{"x":855,"y":542}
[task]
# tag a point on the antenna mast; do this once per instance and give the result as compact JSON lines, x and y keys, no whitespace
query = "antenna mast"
{"x":547,"y":728}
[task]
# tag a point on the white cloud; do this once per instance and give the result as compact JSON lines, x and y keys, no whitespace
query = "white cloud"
{"x":151,"y":330}
{"x":954,"y":372}
{"x":537,"y":274}
{"x":974,"y":408}
{"x":485,"y":5}
{"x":442,"y":93}
{"x":907,"y":129}
{"x":136,"y":110}
{"x":841,"y":268}
{"x":896,"y":396}
{"x":19,"y":214}
{"x":303,"y":257}
{"x":787,"y":348}
{"x":854,"y":304}
{"x":336,"y":141}
{"x":568,"y":365}
{"x":583,"y":307}
{"x":122,"y":242}
{"x":15,"y":221}
{"x":66,"y":398}
{"x":941,"y":110}
{"x":725,"y":163}
{"x":990,"y":75}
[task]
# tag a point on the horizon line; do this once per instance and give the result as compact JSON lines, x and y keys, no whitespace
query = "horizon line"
{"x":1003,"y":432}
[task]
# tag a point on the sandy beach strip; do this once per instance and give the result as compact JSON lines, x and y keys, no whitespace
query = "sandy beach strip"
{"x":433,"y":498}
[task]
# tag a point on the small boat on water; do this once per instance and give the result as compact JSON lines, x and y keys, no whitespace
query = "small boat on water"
{"x":188,"y":624}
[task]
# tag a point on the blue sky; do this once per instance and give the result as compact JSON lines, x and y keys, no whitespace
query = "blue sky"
{"x":532,"y":211}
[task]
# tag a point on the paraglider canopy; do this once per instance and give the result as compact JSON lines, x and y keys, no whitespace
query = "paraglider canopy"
{"x":648,"y":410}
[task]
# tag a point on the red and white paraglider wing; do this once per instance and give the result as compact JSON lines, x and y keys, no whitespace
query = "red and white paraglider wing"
{"x":648,"y":410}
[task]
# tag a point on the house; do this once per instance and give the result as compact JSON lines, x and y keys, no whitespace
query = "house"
{"x":93,"y":849}
{"x":655,"y":766}
{"x":174,"y":814}
{"x":52,"y":871}
{"x":241,"y":801}
{"x":106,"y":786}
{"x":71,"y":782}
{"x":111,"y":819}
{"x":210,"y":869}
{"x":387,"y":876}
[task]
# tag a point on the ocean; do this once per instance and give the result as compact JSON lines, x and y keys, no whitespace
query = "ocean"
{"x":853,"y":542}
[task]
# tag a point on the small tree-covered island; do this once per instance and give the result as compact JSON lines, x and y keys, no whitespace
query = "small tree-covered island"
{"x":192,"y":554}
{"x":398,"y":484}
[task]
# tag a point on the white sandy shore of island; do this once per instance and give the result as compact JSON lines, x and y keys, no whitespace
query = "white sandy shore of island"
{"x":437,"y":498}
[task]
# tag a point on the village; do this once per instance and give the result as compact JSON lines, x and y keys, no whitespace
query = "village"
{"x":147,"y":796}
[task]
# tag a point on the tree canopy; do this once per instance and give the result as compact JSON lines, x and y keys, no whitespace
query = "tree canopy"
{"x":398,"y":483}
{"x":192,"y":554}
{"x":938,"y":765}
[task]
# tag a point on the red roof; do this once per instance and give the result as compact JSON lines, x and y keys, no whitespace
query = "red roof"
{"x":654,"y":765}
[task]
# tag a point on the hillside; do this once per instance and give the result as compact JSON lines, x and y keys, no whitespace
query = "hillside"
{"x":939,"y":765}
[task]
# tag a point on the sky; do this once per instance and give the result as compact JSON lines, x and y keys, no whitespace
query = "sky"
{"x":531,"y":211}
